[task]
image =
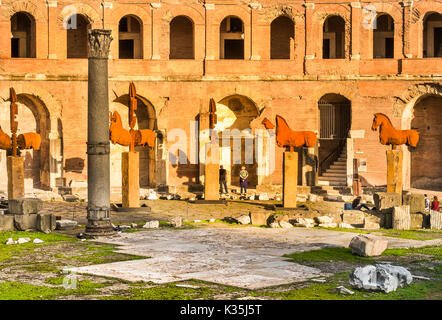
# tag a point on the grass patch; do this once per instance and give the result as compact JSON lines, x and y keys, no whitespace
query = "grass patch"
{"x":434,"y":251}
{"x":327,"y":255}
{"x":417,"y":290}
{"x":403,"y":234}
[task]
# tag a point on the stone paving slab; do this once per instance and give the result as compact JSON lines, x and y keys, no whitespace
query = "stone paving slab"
{"x":243,"y":257}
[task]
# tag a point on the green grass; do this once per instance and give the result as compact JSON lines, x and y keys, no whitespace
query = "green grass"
{"x":327,"y":255}
{"x":434,"y":251}
{"x":327,"y":291}
{"x":13,"y":250}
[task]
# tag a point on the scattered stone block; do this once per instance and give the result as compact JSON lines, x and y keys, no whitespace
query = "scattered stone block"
{"x":416,"y":220}
{"x":23,"y":240}
{"x":70,"y":198}
{"x":415,"y":201}
{"x":370,"y":224}
{"x":154,"y":224}
{"x":36,"y":240}
{"x":263,"y":197}
{"x":10,"y":241}
{"x":46,"y":223}
{"x":382,"y":277}
{"x":345,"y":225}
{"x":304,"y":222}
{"x":366,"y":246}
{"x":259,"y":218}
{"x":25,"y":222}
{"x":285,"y":224}
{"x":243,"y":219}
{"x":6,"y":222}
{"x":401,"y":219}
{"x":25,"y":205}
{"x":324,"y":219}
{"x":435,"y":220}
{"x":344,"y":290}
{"x":176,"y":222}
{"x":386,"y":201}
{"x":65,"y":224}
{"x":133,"y":225}
{"x":274,"y":225}
{"x":328,"y":225}
{"x":353,"y":217}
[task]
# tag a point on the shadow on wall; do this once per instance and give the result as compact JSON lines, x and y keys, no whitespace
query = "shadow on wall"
{"x":74,"y":165}
{"x":183,"y":167}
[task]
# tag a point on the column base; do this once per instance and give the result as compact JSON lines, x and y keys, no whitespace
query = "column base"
{"x":99,"y":228}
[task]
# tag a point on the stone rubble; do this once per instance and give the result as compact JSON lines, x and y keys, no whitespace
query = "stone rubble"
{"x":243,"y":219}
{"x":176,"y":222}
{"x":367,"y":246}
{"x":65,"y":224}
{"x":344,"y":290}
{"x":154,"y":224}
{"x":381,"y":277}
{"x":285,"y":224}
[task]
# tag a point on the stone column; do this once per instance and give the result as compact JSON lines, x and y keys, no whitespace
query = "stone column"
{"x":52,"y":29}
{"x":155,"y":32}
{"x":394,"y":171}
{"x":253,"y":28}
{"x":408,"y":6}
{"x":290,"y":179}
{"x":355,"y":30}
{"x":310,"y":32}
{"x":98,"y":149}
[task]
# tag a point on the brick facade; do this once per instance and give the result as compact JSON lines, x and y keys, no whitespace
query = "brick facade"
{"x":176,"y":74}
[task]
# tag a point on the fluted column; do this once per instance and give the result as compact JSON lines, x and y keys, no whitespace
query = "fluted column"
{"x":98,"y":161}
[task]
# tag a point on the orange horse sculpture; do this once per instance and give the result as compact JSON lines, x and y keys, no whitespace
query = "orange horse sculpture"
{"x":29,"y":140}
{"x":286,"y":137}
{"x":121,"y":136}
{"x":388,"y":135}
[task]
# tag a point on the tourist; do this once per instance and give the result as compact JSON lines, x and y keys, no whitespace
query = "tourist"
{"x":435,"y":204}
{"x":222,"y":180}
{"x":243,"y":175}
{"x":357,"y":205}
{"x":427,"y":203}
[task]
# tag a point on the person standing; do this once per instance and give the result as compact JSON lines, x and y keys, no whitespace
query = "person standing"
{"x":243,"y":175}
{"x":222,"y":179}
{"x":435,"y":204}
{"x":427,"y":203}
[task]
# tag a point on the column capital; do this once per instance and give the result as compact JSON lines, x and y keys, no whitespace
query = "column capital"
{"x":407,"y":3}
{"x":155,"y":5}
{"x":107,"y":5}
{"x":309,"y":5}
{"x":99,"y":43}
{"x":255,"y":6}
{"x":209,"y":6}
{"x":49,"y":4}
{"x":355,"y":5}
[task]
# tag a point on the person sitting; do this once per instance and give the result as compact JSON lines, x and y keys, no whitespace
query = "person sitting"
{"x":435,"y":204}
{"x":357,"y":205}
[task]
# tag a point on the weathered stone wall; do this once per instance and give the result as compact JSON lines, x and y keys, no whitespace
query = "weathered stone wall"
{"x":179,"y":89}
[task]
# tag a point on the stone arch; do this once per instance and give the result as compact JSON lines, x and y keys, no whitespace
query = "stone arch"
{"x":282,"y":34}
{"x":135,"y":10}
{"x":395,"y":11}
{"x":238,"y":11}
{"x":192,"y":13}
{"x":422,"y":8}
{"x":151,"y":159}
{"x":30,"y":7}
{"x":403,"y":107}
{"x":78,"y":8}
{"x":182,"y":38}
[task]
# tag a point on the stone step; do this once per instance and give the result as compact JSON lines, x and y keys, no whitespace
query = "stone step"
{"x":338,"y":166}
{"x":331,"y":183}
{"x":340,"y":170}
{"x":334,"y":174}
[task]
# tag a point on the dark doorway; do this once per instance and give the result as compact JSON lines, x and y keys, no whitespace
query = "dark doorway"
{"x":438,"y":42}
{"x":389,"y":47}
{"x":126,"y":49}
{"x":326,"y":48}
{"x":15,"y":48}
{"x":233,"y":49}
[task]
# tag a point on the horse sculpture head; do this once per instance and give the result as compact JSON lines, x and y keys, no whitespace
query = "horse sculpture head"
{"x":377,"y":120}
{"x":267,"y":124}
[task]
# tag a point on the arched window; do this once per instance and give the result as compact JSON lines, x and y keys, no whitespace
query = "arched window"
{"x":282,"y":30}
{"x":130,"y":38}
{"x":181,"y":38}
{"x":232,"y":38}
{"x":432,"y":37}
{"x":77,"y":28}
{"x":23,"y":35}
{"x":333,"y":40}
{"x":383,"y":36}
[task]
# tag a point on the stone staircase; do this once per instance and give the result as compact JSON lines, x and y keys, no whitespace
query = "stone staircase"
{"x":336,"y":175}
